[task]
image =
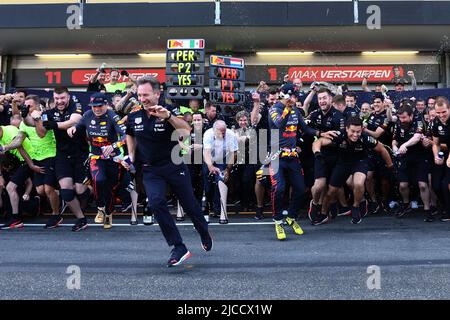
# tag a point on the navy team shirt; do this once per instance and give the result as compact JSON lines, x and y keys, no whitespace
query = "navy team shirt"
{"x":153,"y":137}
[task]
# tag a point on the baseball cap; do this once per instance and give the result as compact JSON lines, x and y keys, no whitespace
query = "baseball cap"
{"x":287,"y":90}
{"x":98,"y":99}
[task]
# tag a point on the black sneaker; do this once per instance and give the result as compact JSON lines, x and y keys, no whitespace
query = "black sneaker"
{"x":13,"y":222}
{"x":207,"y":242}
{"x":434,"y":210}
{"x":81,"y":224}
{"x":259,"y":214}
{"x":314,"y":210}
{"x":445,"y":217}
{"x":363,"y":208}
{"x":334,"y":210}
{"x":344,"y":211}
{"x":178,"y":255}
{"x":38,"y":206}
{"x":216,"y":214}
{"x":372,"y":207}
{"x":320,"y":219}
{"x":381,"y":208}
{"x":404,"y":209}
{"x":428,"y":216}
{"x":54,"y":221}
{"x":356,"y":215}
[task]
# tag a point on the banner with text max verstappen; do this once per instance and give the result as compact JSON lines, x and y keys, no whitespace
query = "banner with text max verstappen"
{"x":348,"y":74}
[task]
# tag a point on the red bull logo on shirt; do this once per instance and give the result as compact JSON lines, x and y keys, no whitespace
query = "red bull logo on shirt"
{"x":290,"y":132}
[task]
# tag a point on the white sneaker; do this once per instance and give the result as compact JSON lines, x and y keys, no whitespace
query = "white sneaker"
{"x":148,"y":220}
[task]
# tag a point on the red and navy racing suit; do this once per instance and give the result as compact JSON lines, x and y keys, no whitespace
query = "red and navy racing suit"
{"x":287,"y":122}
{"x":106,"y":174}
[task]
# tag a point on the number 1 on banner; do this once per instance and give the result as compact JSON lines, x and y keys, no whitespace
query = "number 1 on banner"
{"x":272,"y":74}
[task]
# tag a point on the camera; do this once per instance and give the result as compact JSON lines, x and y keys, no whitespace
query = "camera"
{"x":24,"y":110}
{"x":102,"y":68}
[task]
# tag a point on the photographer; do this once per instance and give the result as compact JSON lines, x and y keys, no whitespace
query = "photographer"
{"x":10,"y":105}
{"x":5,"y":109}
{"x":97,"y":80}
{"x":18,"y":101}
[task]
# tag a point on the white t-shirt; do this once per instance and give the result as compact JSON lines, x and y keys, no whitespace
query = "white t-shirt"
{"x":220,"y":148}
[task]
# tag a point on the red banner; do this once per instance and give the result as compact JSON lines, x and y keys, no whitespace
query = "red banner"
{"x":81,"y":77}
{"x":345,"y":73}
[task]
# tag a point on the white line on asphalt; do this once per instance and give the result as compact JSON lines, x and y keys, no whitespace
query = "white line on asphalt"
{"x":142,"y":225}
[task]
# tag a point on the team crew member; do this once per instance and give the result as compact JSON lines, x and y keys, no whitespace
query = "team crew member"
{"x":22,"y":173}
{"x":287,"y":120}
{"x":352,"y":164}
{"x":412,"y":166}
{"x":191,"y":150}
{"x":350,"y":102}
{"x":324,"y":119}
{"x":420,"y":110}
{"x":114,"y":85}
{"x":219,"y":151}
{"x":427,"y":143}
{"x":149,"y":132}
{"x":347,"y":111}
{"x":105,"y":136}
{"x":43,"y":155}
{"x":70,"y":152}
{"x":195,"y":153}
{"x":18,"y":98}
{"x":259,"y":118}
{"x":377,"y":127}
{"x":441,"y":141}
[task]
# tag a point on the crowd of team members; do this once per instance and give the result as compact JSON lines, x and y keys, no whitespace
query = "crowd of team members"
{"x":341,"y":158}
